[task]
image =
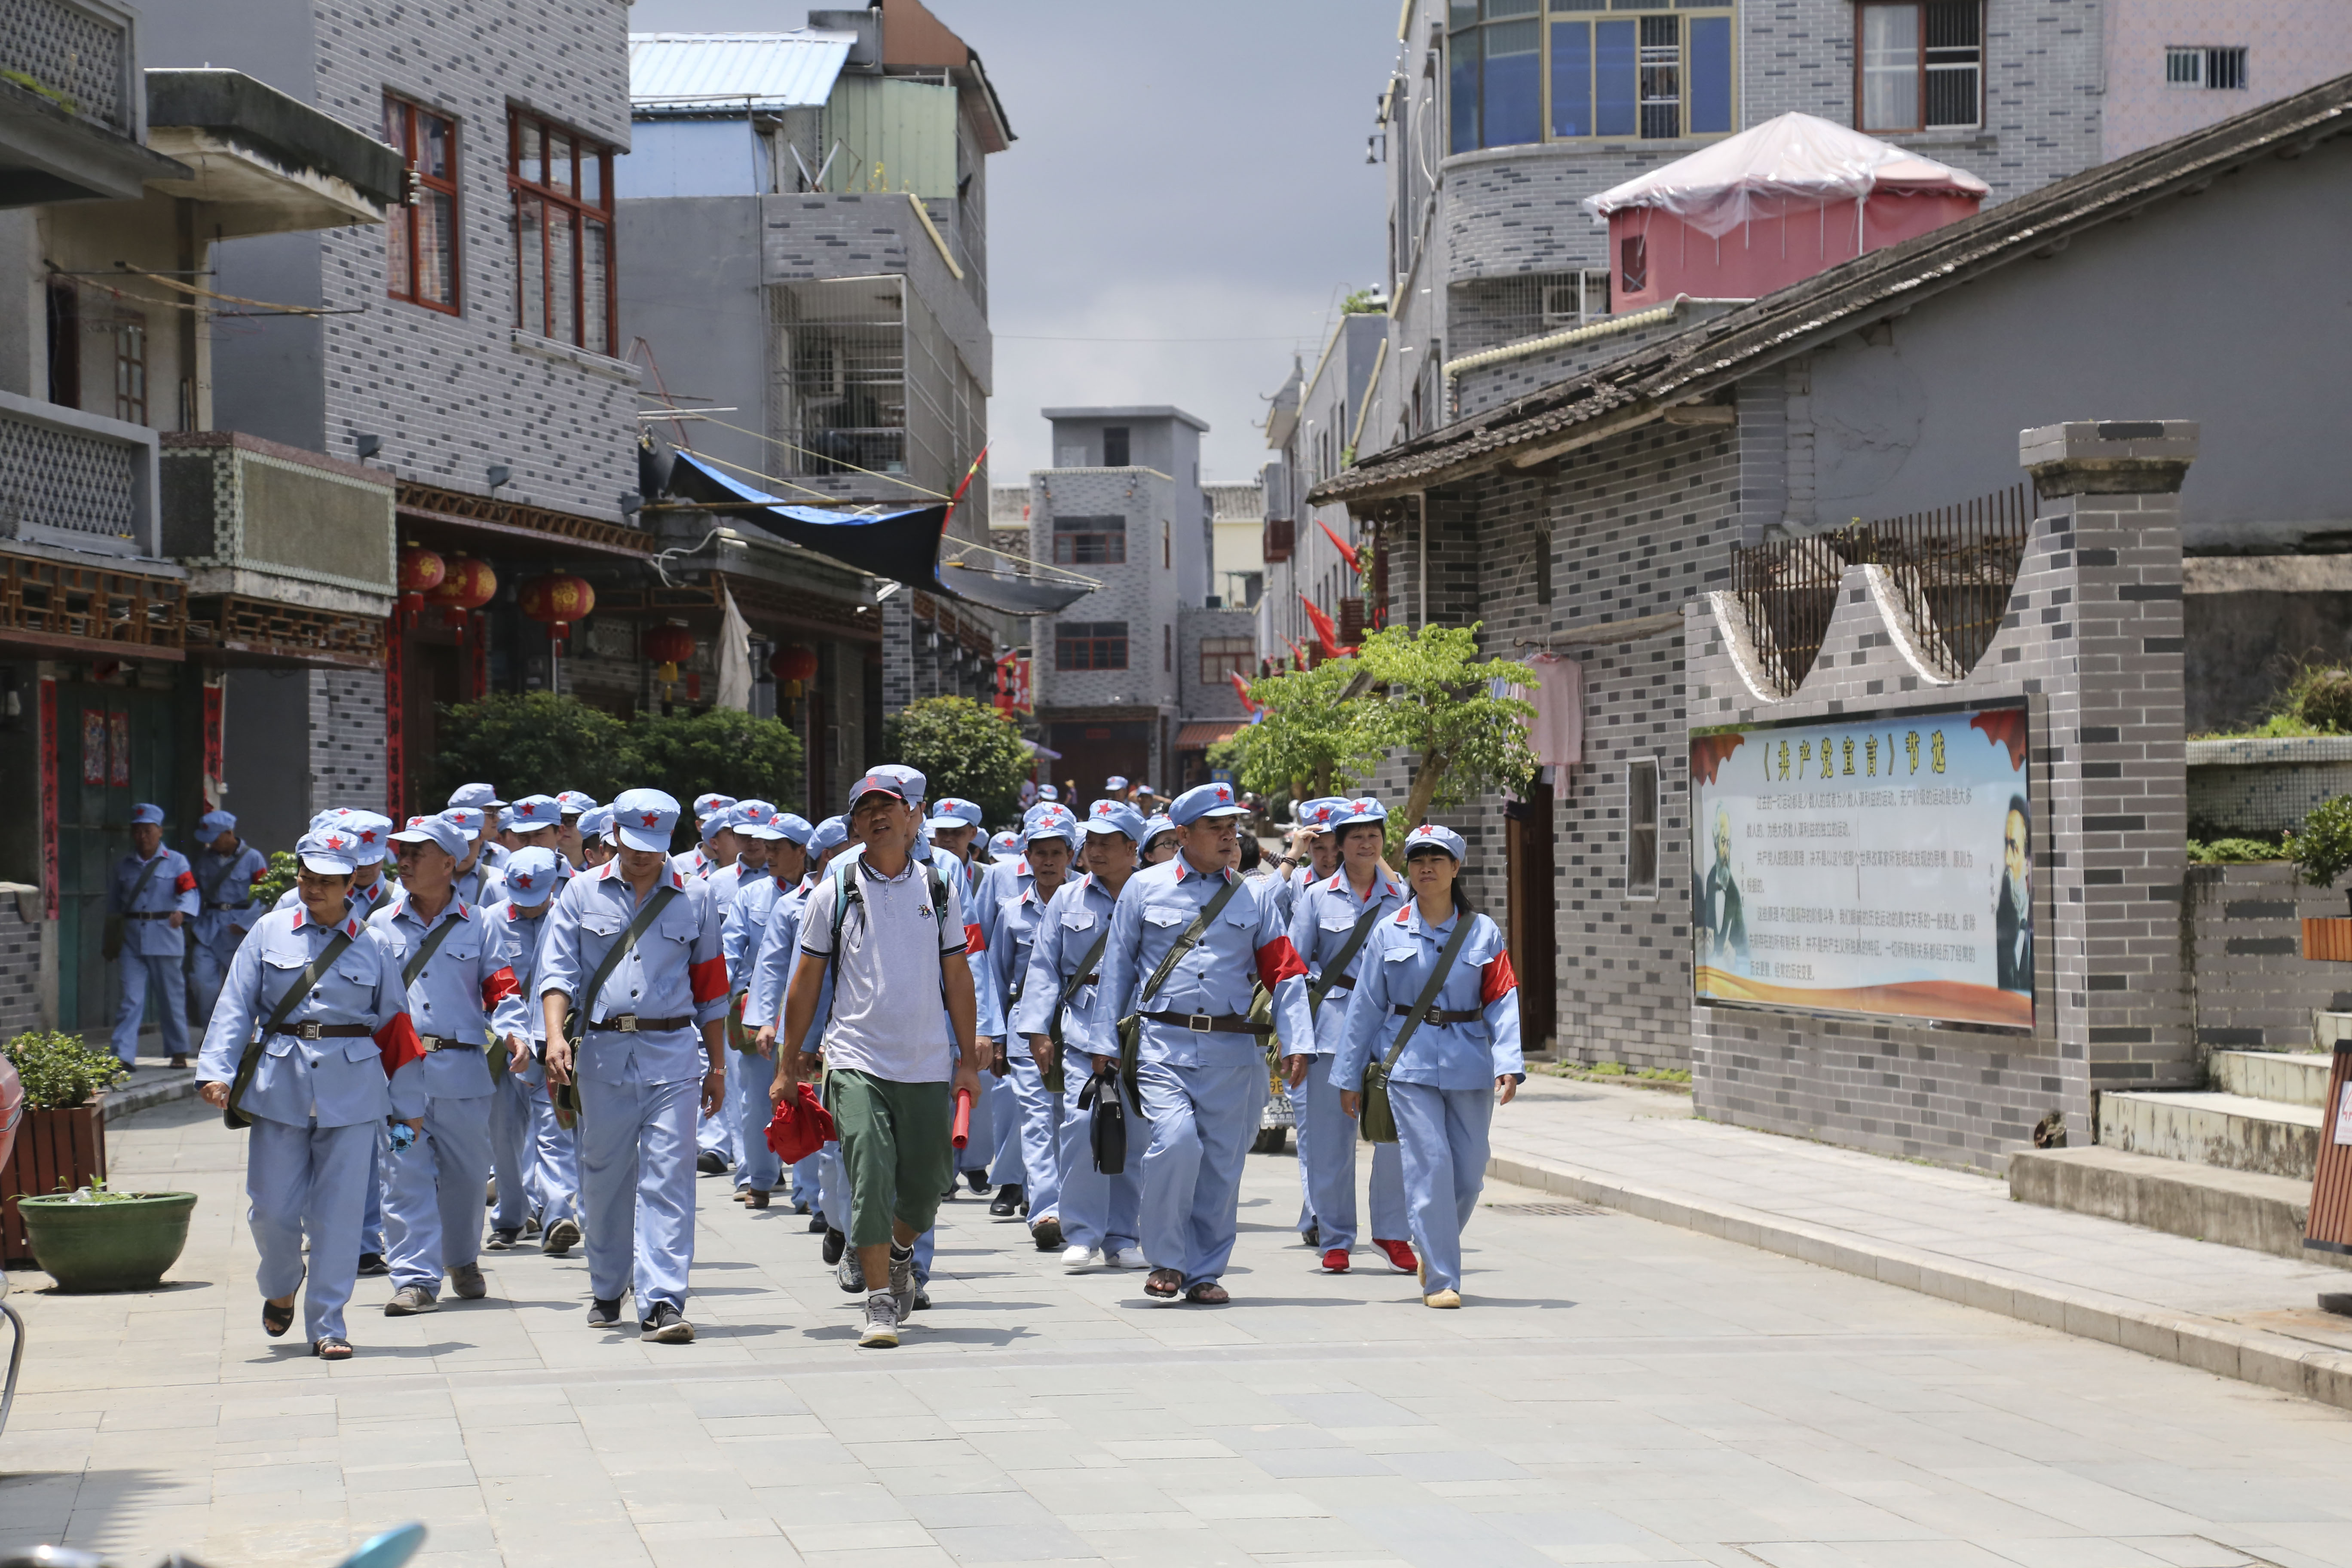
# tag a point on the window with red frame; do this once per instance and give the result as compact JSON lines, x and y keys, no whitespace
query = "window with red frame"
{"x":562,"y":185}
{"x":421,"y":236}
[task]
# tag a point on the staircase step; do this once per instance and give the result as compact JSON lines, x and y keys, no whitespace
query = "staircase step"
{"x":2227,"y":1132}
{"x":2235,"y":1208}
{"x":2291,"y":1078}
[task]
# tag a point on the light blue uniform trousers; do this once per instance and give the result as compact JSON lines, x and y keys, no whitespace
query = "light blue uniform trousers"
{"x":1036,"y":1118}
{"x":211,"y":967}
{"x":807,"y":1177}
{"x":1441,"y":1136}
{"x":749,"y":1076}
{"x":510,"y":1151}
{"x":371,"y":1213}
{"x":995,"y":1145}
{"x":1096,"y":1210}
{"x":552,"y":1174}
{"x":308,"y":1179}
{"x":1202,"y":1119}
{"x":1327,"y":1153}
{"x":433,"y":1192}
{"x":636,"y":1170}
{"x":163,"y":971}
{"x":719,"y":1132}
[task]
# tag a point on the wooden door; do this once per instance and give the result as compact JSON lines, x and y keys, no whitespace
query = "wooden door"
{"x":115,"y":749}
{"x":1529,"y":929}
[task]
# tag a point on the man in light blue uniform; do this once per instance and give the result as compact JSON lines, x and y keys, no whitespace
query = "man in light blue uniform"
{"x":226,"y":869}
{"x":1032,"y":1122}
{"x":653,"y":1052}
{"x":468,"y":1011}
{"x":477,"y":880}
{"x":1334,"y":920}
{"x":1098,"y":1213}
{"x":1202,"y":1069}
{"x":534,"y":821}
{"x":571,"y":805}
{"x":700,"y":861}
{"x":996,"y":1120}
{"x":1313,"y":855}
{"x":761,"y":895}
{"x":1462,"y":1058}
{"x":153,"y":893}
{"x":729,"y":852}
{"x":484,"y":803}
{"x":533,"y":875}
{"x":319,"y":1095}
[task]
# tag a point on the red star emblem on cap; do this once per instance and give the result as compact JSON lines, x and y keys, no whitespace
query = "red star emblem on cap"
{"x":1223,"y":794}
{"x":529,"y":810}
{"x":651,"y":817}
{"x":334,"y":841}
{"x":524,"y":881}
{"x":367,"y":834}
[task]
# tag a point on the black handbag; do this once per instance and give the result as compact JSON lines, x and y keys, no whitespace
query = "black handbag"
{"x":1108,"y":1130}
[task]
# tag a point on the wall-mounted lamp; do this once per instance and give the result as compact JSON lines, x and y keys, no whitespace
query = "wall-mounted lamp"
{"x":367,"y":445}
{"x":499,"y":474}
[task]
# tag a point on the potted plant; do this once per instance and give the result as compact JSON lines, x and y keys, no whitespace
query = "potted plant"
{"x":2322,"y":852}
{"x":99,"y":1239}
{"x":61,"y":1143}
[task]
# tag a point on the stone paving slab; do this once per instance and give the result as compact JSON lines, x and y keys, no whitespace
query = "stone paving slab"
{"x":1616,"y":1392}
{"x":1950,"y":1233}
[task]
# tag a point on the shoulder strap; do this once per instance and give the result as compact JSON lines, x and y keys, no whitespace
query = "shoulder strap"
{"x":1184,"y":943}
{"x":146,"y":876}
{"x":425,"y":952}
{"x":1317,"y":989}
{"x":655,"y":904}
{"x":1070,"y":980}
{"x":1462,"y":921}
{"x":251,"y":1060}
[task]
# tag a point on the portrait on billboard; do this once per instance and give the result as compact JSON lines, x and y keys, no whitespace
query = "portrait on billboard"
{"x":1874,"y":866}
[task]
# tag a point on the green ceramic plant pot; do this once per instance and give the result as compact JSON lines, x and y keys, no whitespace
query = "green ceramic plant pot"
{"x":123,"y":1244}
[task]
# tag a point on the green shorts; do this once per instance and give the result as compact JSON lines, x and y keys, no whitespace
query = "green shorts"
{"x":895,"y":1143}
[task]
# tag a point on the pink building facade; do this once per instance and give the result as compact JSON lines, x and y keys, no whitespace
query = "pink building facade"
{"x":2176,"y":65}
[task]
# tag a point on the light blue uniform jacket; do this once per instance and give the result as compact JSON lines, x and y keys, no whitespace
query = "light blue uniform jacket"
{"x":1078,"y":912}
{"x":227,"y":879}
{"x":1246,"y":943}
{"x":465,"y":992}
{"x":1320,"y":920}
{"x":675,"y":971}
{"x":1395,"y":964}
{"x":333,"y":1082}
{"x":172,"y":885}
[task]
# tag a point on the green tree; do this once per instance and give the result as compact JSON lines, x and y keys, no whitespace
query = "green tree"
{"x":533,"y":743}
{"x":720,"y":751}
{"x":1310,"y":742}
{"x":1438,"y":708}
{"x":962,"y":748}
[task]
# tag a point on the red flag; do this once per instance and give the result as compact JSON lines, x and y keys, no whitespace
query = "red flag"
{"x":1325,"y":632}
{"x":1242,"y":686}
{"x":1346,"y":551}
{"x":1297,"y":652}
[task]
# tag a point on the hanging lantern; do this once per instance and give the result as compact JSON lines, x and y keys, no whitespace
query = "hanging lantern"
{"x":468,"y":585}
{"x":555,"y":602}
{"x":668,"y":645}
{"x":792,"y":665}
{"x":421,"y":572}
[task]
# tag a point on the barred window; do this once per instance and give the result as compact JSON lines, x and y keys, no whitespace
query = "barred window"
{"x":1090,"y":644}
{"x":421,"y":236}
{"x":562,"y":186}
{"x":1090,"y":541}
{"x":1921,"y":65}
{"x":1225,"y":658}
{"x":1521,"y":71}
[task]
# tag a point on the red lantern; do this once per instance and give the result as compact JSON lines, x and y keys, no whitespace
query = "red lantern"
{"x":792,"y":665}
{"x":669,"y":646}
{"x":556,"y":601}
{"x":421,"y":572}
{"x":468,"y":585}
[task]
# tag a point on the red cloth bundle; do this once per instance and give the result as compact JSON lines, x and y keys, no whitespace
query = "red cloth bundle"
{"x":800,"y":1127}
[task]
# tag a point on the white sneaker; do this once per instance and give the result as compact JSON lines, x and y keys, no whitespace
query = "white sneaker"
{"x":1132,"y":1258}
{"x":1079,"y":1259}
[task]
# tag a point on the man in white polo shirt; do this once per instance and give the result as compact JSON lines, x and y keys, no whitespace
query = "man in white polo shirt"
{"x":893,"y":1055}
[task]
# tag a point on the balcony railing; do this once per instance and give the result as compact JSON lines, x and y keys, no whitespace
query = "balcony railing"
{"x":76,"y":55}
{"x":75,"y":480}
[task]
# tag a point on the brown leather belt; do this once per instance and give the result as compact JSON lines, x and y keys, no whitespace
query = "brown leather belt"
{"x":449,"y":1043}
{"x":151,"y":914}
{"x":1211,"y":1023}
{"x":1344,"y":983}
{"x":1086,"y":980}
{"x":1440,"y":1015}
{"x":329,"y":1031}
{"x":630,"y":1024}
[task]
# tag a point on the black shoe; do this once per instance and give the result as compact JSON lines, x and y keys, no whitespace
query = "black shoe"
{"x":1047,"y":1234}
{"x":836,"y":1244}
{"x":605,"y":1314}
{"x":799,"y":1208}
{"x":502,"y":1240}
{"x":668,"y":1326}
{"x":1312,"y":1236}
{"x":817,"y":1225}
{"x":977,"y":1180}
{"x":371,"y":1264}
{"x":1008,"y":1201}
{"x":920,"y":1301}
{"x":711,"y":1162}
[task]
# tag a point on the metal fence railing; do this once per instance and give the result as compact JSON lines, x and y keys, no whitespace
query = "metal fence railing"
{"x":1955,"y":567}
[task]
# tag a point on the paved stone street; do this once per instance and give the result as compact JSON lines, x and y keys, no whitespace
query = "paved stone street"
{"x":1618,"y":1392}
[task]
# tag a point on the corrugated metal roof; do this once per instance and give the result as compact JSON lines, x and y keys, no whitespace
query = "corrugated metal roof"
{"x":685,"y":73}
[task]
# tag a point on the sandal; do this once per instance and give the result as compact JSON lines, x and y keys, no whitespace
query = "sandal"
{"x":275,"y":1321}
{"x":334,"y":1347}
{"x":1207,"y":1293}
{"x":1163,"y":1284}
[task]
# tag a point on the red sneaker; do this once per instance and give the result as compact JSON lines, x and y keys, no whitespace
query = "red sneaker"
{"x":1336,"y":1260}
{"x":1401,"y":1258}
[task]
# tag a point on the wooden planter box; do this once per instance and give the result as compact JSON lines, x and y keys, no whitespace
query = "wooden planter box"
{"x":2329,"y":939}
{"x":54,"y":1149}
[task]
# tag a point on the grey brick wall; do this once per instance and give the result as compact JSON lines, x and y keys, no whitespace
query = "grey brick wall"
{"x":20,"y":959}
{"x":346,"y":740}
{"x":2242,"y":941}
{"x":1216,"y":698}
{"x":1143,"y":593}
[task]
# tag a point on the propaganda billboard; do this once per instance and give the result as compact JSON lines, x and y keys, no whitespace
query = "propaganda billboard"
{"x":1881,"y":867}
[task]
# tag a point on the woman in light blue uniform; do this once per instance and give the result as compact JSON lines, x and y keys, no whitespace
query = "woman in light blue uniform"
{"x":343,"y":1059}
{"x":548,"y":1156}
{"x":762,"y":893}
{"x":1033,"y":1119}
{"x":1461,"y":1061}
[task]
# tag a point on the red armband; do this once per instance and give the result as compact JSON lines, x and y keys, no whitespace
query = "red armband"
{"x":396,"y":1044}
{"x":185,"y":884}
{"x":1495,"y":980}
{"x":709,"y":979}
{"x":974,"y":943}
{"x":497,"y":988}
{"x":1277,"y":960}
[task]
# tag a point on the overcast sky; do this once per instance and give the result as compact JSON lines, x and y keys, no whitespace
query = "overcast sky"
{"x":1191,"y":172}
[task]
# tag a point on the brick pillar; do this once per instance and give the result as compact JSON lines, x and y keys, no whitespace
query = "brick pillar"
{"x":2109,"y":586}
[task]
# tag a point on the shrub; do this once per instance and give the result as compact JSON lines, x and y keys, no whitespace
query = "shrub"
{"x":966,"y":749}
{"x":2323,"y":844}
{"x":60,"y":1072}
{"x":283,"y":867}
{"x":720,"y":751}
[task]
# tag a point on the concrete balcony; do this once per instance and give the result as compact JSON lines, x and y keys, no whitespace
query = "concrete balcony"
{"x":76,"y":482}
{"x":72,"y":120}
